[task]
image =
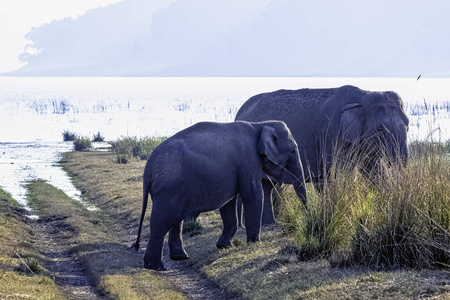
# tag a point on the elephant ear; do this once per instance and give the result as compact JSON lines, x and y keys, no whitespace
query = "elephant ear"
{"x":351,"y":124}
{"x":268,"y":143}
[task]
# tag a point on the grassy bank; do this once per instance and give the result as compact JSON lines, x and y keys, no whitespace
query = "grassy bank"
{"x":22,"y":274}
{"x":271,"y":269}
{"x":92,"y":240}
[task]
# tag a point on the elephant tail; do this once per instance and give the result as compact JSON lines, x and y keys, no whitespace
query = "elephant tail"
{"x":146,"y":190}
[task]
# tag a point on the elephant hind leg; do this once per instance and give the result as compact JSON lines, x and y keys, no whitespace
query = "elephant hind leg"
{"x":176,"y":246}
{"x":153,"y":254}
{"x":229,"y":219}
{"x":160,"y":224}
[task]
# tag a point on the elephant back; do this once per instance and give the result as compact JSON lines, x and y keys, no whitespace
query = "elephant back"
{"x":283,"y":102}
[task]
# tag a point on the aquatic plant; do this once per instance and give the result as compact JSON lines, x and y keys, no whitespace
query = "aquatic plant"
{"x":68,"y":136}
{"x":98,"y":137}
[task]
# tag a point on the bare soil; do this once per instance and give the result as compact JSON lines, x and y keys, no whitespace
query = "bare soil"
{"x":50,"y":239}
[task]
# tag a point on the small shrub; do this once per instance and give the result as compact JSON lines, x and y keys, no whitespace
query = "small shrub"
{"x":147,"y":145}
{"x":98,"y":137}
{"x":128,"y":147}
{"x":82,"y":143}
{"x":124,"y":148}
{"x":68,"y":136}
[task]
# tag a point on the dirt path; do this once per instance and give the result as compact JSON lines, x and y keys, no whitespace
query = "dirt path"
{"x":50,"y":234}
{"x":193,"y":284}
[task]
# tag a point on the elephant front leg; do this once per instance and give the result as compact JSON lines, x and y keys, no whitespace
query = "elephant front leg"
{"x":176,"y":247}
{"x":252,"y":198}
{"x":229,"y":219}
{"x":268,"y":217}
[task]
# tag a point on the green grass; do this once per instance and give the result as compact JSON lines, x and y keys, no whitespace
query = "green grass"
{"x":22,"y":274}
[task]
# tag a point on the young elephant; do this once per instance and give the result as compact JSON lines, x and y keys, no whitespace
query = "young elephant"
{"x":203,"y":168}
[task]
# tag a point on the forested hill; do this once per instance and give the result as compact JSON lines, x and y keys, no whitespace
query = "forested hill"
{"x":245,"y":38}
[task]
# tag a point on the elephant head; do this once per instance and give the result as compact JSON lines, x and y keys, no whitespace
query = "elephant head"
{"x":378,"y":125}
{"x":281,"y":159}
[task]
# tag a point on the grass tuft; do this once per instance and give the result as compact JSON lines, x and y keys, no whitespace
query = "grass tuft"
{"x":82,"y":143}
{"x":399,"y":217}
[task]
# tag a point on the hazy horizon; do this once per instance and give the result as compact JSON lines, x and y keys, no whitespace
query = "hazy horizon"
{"x":258,"y":38}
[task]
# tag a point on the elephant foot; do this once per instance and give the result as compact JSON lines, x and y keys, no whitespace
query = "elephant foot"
{"x":177,"y":252}
{"x":253,"y":239}
{"x":223,"y":245}
{"x":179,"y":257}
{"x":155,"y":266}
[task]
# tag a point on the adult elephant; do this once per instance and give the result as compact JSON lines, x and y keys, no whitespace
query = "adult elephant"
{"x":203,"y":168}
{"x":320,"y":119}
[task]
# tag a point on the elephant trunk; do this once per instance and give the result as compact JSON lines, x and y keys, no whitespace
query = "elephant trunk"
{"x":397,"y":148}
{"x":294,"y":175}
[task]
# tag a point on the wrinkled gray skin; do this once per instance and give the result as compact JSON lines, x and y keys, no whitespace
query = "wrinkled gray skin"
{"x":322,"y":118}
{"x":203,"y":168}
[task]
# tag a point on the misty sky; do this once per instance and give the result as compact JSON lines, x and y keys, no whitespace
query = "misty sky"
{"x":239,"y":38}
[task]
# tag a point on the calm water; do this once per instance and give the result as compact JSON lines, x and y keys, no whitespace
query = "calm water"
{"x":35,"y":111}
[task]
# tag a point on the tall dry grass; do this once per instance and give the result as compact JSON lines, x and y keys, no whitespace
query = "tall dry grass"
{"x":397,"y":217}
